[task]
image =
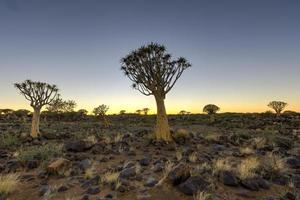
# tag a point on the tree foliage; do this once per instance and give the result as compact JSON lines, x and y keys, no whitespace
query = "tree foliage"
{"x":211,"y":109}
{"x":38,"y":93}
{"x":277,"y":106}
{"x":60,"y":105}
{"x":152,"y":70}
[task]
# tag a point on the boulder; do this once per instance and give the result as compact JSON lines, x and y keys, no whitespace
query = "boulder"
{"x":228,"y":178}
{"x":78,"y":146}
{"x":59,"y":167}
{"x":179,"y":174}
{"x":192,"y":185}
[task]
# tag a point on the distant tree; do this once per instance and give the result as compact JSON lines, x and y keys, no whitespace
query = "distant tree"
{"x":59,"y":105}
{"x":153,"y":72}
{"x":83,"y":111}
{"x":211,"y":110}
{"x":22,"y":114}
{"x":100,"y":111}
{"x":39,"y":94}
{"x":138,"y":111}
{"x":145,"y":111}
{"x":122,"y":112}
{"x":277,"y":106}
{"x":6,"y":114}
{"x":182,"y":112}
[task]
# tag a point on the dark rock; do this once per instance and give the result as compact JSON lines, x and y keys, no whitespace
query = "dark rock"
{"x":254,"y":184}
{"x":151,"y":182}
{"x":13,"y":166}
{"x":288,"y":196}
{"x":78,"y":146}
{"x":62,"y":188}
{"x":85,"y":164}
{"x":93,"y":190}
{"x":145,"y":161}
{"x":128,"y":172}
{"x":228,"y":178}
{"x":179,"y":174}
{"x":296,"y":181}
{"x":43,"y":189}
{"x":158,"y":167}
{"x":193,"y":185}
{"x":31,"y":164}
{"x":293,"y":162}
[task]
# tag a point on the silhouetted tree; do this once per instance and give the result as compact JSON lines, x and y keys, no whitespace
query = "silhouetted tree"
{"x":145,"y":111}
{"x":277,"y":106}
{"x":39,"y":94}
{"x":122,"y":112}
{"x":83,"y":111}
{"x":22,"y":114}
{"x":138,"y":111}
{"x":59,"y":105}
{"x":211,"y":110}
{"x":153,"y":72}
{"x":100,"y":111}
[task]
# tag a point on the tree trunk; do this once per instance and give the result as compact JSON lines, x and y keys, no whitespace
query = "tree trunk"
{"x":35,"y":131}
{"x":162,"y":130}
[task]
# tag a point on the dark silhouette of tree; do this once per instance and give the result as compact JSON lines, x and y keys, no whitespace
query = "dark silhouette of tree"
{"x":83,"y":111}
{"x":277,"y":106}
{"x":59,"y":105}
{"x":153,"y":72}
{"x":39,"y":94}
{"x":211,"y":110}
{"x":145,"y":111}
{"x":138,"y":111}
{"x":122,"y":112}
{"x":100,"y":111}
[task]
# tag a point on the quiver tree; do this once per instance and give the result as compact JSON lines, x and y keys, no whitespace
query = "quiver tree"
{"x":59,"y":105}
{"x":100,"y":111}
{"x":138,"y":111}
{"x":277,"y":106}
{"x":145,"y":111}
{"x":211,"y":110}
{"x":153,"y":72}
{"x":38,"y":94}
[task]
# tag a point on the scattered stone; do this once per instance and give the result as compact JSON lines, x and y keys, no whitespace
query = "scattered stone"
{"x":62,"y":188}
{"x":151,"y":182}
{"x":179,"y":174}
{"x":59,"y":166}
{"x":193,"y":185}
{"x":145,"y":161}
{"x":93,"y":190}
{"x":254,"y":184}
{"x":228,"y":178}
{"x":78,"y":146}
{"x":128,"y":172}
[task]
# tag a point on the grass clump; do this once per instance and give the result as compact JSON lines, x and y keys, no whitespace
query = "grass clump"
{"x":202,"y":196}
{"x":8,"y":183}
{"x":248,"y":167}
{"x":8,"y":141}
{"x":221,"y":164}
{"x":43,"y":153}
{"x":274,"y":165}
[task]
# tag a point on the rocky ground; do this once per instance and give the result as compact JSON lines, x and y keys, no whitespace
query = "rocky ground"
{"x":233,"y":158}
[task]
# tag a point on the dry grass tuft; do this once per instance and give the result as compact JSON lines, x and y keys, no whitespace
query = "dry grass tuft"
{"x":110,"y":177}
{"x":8,"y":183}
{"x":89,"y":173}
{"x":168,"y":168}
{"x":202,"y":196}
{"x":246,"y":151}
{"x":248,"y":167}
{"x":193,"y":157}
{"x":274,"y":164}
{"x":221,"y":164}
{"x":179,"y":155}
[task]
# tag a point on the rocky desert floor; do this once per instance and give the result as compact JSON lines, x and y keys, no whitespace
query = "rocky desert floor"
{"x":237,"y":157}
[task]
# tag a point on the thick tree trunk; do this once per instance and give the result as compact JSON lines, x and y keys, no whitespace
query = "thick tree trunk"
{"x":35,"y":131}
{"x":162,"y":130}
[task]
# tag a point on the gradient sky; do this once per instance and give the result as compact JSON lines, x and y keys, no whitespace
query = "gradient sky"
{"x":244,"y":53}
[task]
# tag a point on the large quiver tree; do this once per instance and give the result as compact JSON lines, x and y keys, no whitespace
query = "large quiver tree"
{"x":153,"y":72}
{"x":38,"y":94}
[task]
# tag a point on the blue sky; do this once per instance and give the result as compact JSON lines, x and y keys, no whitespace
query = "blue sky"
{"x":244,"y":53}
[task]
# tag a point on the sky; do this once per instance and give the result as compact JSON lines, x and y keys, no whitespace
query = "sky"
{"x":244,"y":54}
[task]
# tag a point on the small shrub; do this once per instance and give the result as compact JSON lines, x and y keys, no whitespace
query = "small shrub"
{"x":274,"y":165}
{"x":8,"y":183}
{"x":221,"y":164}
{"x":193,"y":157}
{"x":43,"y":153}
{"x":248,"y":167}
{"x":9,"y":141}
{"x":110,"y":177}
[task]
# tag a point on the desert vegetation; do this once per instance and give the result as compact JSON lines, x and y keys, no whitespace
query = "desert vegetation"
{"x":74,"y":154}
